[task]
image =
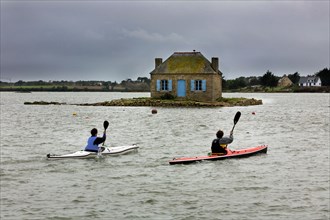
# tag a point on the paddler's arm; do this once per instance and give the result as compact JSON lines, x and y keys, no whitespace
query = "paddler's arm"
{"x":99,"y":140}
{"x":227,"y":140}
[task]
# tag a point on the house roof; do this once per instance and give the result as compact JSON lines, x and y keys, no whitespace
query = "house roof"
{"x":305,"y":79}
{"x":285,"y":81}
{"x":185,"y":63}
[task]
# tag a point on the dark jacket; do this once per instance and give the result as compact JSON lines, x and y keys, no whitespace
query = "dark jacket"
{"x":219,"y":145}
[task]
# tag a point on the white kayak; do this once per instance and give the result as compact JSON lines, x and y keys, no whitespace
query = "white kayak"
{"x":87,"y":154}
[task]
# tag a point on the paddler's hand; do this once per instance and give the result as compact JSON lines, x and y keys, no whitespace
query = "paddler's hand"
{"x":231,"y":133}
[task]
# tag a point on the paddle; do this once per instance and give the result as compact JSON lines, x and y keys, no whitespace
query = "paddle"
{"x":237,"y":116}
{"x":105,"y":125}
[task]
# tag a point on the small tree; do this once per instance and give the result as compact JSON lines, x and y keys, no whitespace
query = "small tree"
{"x":268,"y":79}
{"x":324,"y":76}
{"x":253,"y":81}
{"x":19,"y":83}
{"x":241,"y":82}
{"x":237,"y":83}
{"x":294,"y":78}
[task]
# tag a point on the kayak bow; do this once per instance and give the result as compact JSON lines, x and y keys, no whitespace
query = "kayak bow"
{"x":231,"y":154}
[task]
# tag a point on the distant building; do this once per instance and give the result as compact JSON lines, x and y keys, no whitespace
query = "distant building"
{"x":187,"y":75}
{"x":309,"y":81}
{"x":284,"y":81}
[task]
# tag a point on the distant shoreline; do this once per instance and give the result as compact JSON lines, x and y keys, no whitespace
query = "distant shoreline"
{"x":40,"y":89}
{"x":323,"y":89}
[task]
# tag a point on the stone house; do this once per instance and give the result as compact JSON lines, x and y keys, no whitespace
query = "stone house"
{"x":284,"y":81}
{"x":187,"y":75}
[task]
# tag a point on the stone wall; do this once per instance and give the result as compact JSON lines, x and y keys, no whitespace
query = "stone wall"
{"x":284,"y":81}
{"x":213,"y":86}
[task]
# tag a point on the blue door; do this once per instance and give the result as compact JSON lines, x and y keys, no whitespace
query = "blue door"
{"x":181,"y":92}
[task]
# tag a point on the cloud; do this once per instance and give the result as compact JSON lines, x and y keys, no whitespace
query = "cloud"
{"x":153,"y":37}
{"x":115,"y":40}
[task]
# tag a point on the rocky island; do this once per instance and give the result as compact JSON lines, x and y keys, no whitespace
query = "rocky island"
{"x":153,"y":102}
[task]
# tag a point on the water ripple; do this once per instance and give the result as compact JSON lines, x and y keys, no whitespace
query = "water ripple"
{"x":290,"y":182}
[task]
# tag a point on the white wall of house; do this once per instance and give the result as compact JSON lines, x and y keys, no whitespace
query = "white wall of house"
{"x":311,"y":82}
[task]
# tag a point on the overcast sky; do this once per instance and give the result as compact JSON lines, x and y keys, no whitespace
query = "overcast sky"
{"x":116,"y":40}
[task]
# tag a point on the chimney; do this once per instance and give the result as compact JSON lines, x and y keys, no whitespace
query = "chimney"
{"x":215,"y":63}
{"x":158,"y":61}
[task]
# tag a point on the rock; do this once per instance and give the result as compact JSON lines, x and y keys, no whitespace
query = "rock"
{"x":154,"y":111}
{"x":43,"y":103}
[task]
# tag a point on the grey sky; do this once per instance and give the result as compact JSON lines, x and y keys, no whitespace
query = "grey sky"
{"x":116,"y":40}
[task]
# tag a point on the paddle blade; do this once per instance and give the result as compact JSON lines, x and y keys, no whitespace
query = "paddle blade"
{"x":105,"y":125}
{"x":237,"y":116}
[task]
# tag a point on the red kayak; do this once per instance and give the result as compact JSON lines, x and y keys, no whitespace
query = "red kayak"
{"x":231,"y":154}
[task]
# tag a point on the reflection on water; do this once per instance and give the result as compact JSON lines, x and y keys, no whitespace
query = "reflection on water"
{"x":290,"y":182}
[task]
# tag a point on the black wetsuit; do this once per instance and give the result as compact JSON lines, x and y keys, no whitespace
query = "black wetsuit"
{"x":219,"y":145}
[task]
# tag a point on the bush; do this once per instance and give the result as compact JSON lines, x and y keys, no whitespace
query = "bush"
{"x":168,"y":96}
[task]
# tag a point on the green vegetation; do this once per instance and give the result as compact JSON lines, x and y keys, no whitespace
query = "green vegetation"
{"x":167,"y":96}
{"x":162,"y":102}
{"x":324,"y":76}
{"x":142,"y":84}
{"x":268,"y":79}
{"x":266,"y":83}
{"x":230,"y":100}
{"x":269,"y":83}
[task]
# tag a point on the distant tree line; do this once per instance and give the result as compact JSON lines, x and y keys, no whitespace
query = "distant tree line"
{"x":141,"y":84}
{"x":270,"y":80}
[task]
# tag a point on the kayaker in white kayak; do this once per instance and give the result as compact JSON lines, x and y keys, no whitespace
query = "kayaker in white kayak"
{"x":93,"y":141}
{"x":219,"y":145}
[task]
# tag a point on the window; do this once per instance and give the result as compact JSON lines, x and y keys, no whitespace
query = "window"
{"x":164,"y":85}
{"x":198,"y":85}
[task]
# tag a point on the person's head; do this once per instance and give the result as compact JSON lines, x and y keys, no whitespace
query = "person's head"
{"x":219,"y":134}
{"x":94,"y":132}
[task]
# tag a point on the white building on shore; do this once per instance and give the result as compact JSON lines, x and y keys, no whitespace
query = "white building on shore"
{"x":309,"y":81}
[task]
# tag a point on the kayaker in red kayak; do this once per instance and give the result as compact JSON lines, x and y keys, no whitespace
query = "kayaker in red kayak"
{"x":93,"y":141}
{"x":219,"y":145}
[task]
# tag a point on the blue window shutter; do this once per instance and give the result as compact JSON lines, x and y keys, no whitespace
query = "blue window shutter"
{"x":204,"y":85}
{"x":158,"y":85}
{"x":192,"y":85}
{"x":169,"y":85}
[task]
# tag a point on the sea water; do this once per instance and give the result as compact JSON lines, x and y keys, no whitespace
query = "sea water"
{"x":291,"y":181}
